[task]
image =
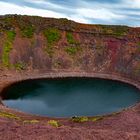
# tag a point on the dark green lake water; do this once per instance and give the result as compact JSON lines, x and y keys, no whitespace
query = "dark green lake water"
{"x":70,"y":96}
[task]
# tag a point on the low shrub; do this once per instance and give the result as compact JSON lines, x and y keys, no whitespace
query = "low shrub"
{"x":9,"y":115}
{"x":72,"y":50}
{"x":19,"y":66}
{"x":79,"y":119}
{"x":54,"y":123}
{"x":11,"y":35}
{"x":30,"y":121}
{"x":70,"y":38}
{"x":52,"y":35}
{"x":27,"y":31}
{"x":94,"y":119}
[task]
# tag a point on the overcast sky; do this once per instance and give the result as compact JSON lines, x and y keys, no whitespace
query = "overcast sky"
{"x":124,"y":12}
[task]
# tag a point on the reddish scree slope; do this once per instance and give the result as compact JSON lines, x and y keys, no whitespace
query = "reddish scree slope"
{"x":75,"y":47}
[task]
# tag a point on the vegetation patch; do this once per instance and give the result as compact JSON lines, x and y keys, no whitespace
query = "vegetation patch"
{"x":118,"y":31}
{"x":27,"y":31}
{"x":64,"y":21}
{"x":30,"y":121}
{"x":49,"y":50}
{"x":11,"y":35}
{"x":79,"y":119}
{"x":6,"y":23}
{"x":94,"y":119}
{"x":52,"y":35}
{"x":9,"y":115}
{"x":72,"y":50}
{"x":71,"y":39}
{"x":54,"y":123}
{"x":7,"y":20}
{"x":20,"y":66}
{"x":8,"y":47}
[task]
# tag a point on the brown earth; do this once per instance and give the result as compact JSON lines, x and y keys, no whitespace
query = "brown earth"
{"x":103,"y":51}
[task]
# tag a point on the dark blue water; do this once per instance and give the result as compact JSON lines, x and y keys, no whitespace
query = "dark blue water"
{"x":70,"y":96}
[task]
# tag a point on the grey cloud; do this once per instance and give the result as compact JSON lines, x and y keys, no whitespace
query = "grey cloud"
{"x":69,"y":8}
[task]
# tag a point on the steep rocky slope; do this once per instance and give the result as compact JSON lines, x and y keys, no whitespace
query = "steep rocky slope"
{"x":45,"y":44}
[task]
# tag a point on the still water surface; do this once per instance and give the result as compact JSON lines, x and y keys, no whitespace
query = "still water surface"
{"x":70,"y":96}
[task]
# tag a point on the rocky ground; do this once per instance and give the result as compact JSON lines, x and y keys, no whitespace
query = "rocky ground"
{"x":20,"y":126}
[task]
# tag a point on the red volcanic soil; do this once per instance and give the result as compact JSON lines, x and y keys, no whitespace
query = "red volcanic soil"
{"x":122,"y":126}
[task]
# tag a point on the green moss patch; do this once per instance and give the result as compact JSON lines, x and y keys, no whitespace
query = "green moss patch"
{"x":11,"y":35}
{"x":72,"y":50}
{"x":52,"y":35}
{"x":27,"y":31}
{"x":79,"y":119}
{"x":8,"y":47}
{"x":54,"y":123}
{"x":120,"y":32}
{"x":117,"y":31}
{"x":94,"y":119}
{"x":30,"y":121}
{"x":9,"y":115}
{"x":71,"y":39}
{"x":20,"y":66}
